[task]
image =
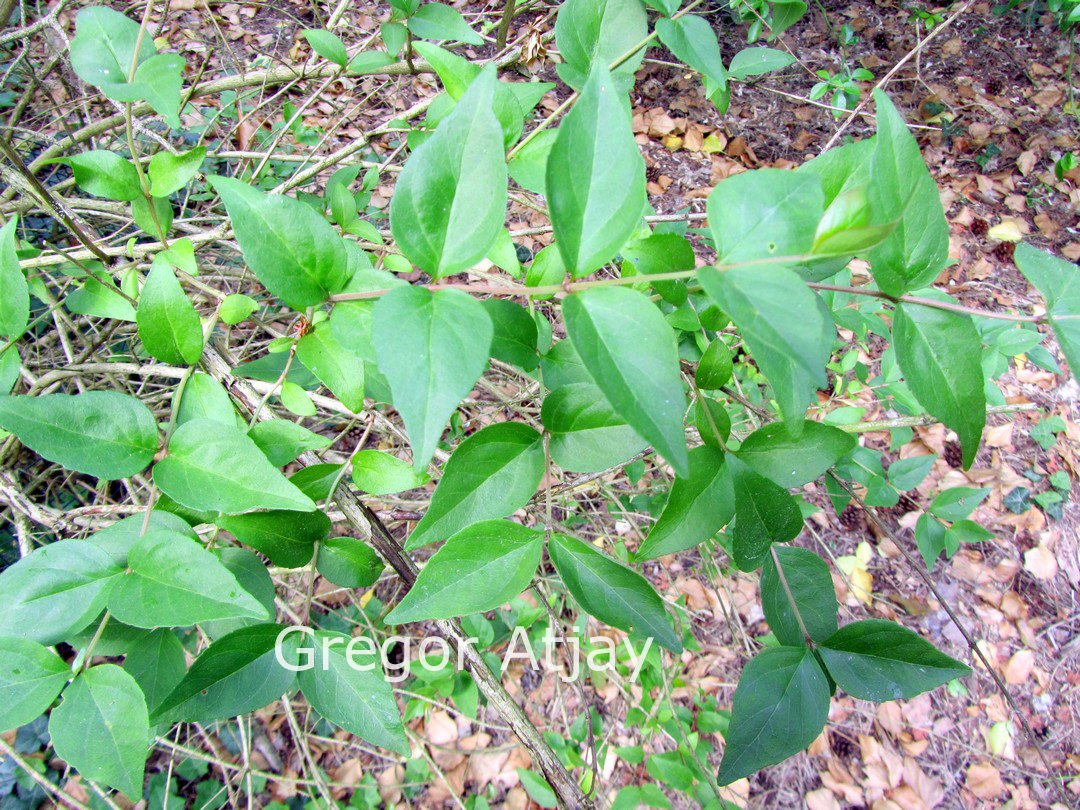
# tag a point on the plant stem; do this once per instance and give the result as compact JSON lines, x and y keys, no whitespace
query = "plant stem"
{"x":504,"y":24}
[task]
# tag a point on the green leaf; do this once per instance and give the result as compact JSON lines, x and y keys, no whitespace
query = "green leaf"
{"x":811,"y":585}
{"x":169,"y":172}
{"x":105,"y":174}
{"x":586,"y":433}
{"x":939,"y":354}
{"x":214,"y":467}
{"x":157,"y":663}
{"x":449,"y":203}
{"x":907,"y":473}
{"x":172,"y":581}
{"x":537,"y":787}
{"x":349,"y":563}
{"x":393,"y":36}
{"x":609,"y":591}
{"x":287,"y":538}
{"x":455,"y":72}
{"x":14,"y":294}
{"x":254,"y":577}
{"x":159,"y":80}
{"x":104,"y":45}
{"x":101,"y":728}
{"x":155,"y":221}
{"x":100,"y":300}
{"x":913,"y":254}
{"x":712,"y":421}
{"x":528,"y":168}
{"x":236,"y":674}
{"x":1059,"y":283}
{"x":594,"y":33}
{"x":30,"y":679}
{"x":514,"y":339}
{"x":764,"y":514}
{"x":441,"y":22}
{"x":595,"y":177}
{"x":169,"y":326}
{"x":480,"y":568}
{"x":235,"y":308}
{"x":118,"y":539}
{"x":101,"y":433}
{"x":316,"y":481}
{"x":755,"y":61}
{"x":693,"y":40}
{"x":956,"y":503}
{"x":661,"y":253}
{"x":357,"y":699}
{"x":382,"y":474}
{"x":368,"y":61}
{"x":790,"y":351}
{"x":326,"y":45}
{"x":793,"y":460}
{"x":880,"y":660}
{"x":295,"y":253}
{"x":698,"y":507}
{"x":432,"y":347}
{"x":338,"y":368}
{"x":667,"y":7}
{"x":491,"y":474}
{"x":930,"y":534}
{"x":780,"y":707}
{"x":631,"y":354}
{"x":282,"y":440}
{"x":715,"y":368}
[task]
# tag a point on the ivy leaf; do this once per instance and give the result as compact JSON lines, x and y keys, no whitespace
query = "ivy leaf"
{"x":30,"y":679}
{"x":326,"y":45}
{"x":594,"y":33}
{"x":490,"y":475}
{"x":611,"y":592}
{"x":586,"y":433}
{"x":811,"y":586}
{"x":101,"y":433}
{"x":173,"y":581}
{"x":14,"y":293}
{"x":780,"y":707}
{"x":449,"y":203}
{"x":481,"y":567}
{"x":692,"y":39}
{"x":217,"y":468}
{"x":432,"y":347}
{"x":105,"y":174}
{"x":793,"y":460}
{"x":104,"y":46}
{"x":336,"y":367}
{"x":880,"y":660}
{"x":939,"y":354}
{"x":1059,"y":283}
{"x":440,"y":22}
{"x":169,"y":172}
{"x":698,"y":507}
{"x":348,"y":563}
{"x":295,"y":253}
{"x":790,"y":351}
{"x":358,"y":700}
{"x":382,"y":474}
{"x":595,"y":177}
{"x":282,"y":440}
{"x":764,"y":514}
{"x":288,"y":538}
{"x":630,"y":352}
{"x":101,"y":728}
{"x":169,"y":326}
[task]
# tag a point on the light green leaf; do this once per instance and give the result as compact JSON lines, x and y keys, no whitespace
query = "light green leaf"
{"x":295,"y":253}
{"x":382,"y":474}
{"x":631,"y":354}
{"x":586,"y":433}
{"x":1059,"y":283}
{"x":611,"y":592}
{"x":204,"y":398}
{"x":288,"y":538}
{"x":283,"y":441}
{"x":755,"y":61}
{"x":780,"y":707}
{"x":326,"y":45}
{"x":368,"y":62}
{"x":172,"y":581}
{"x":157,"y":663}
{"x":714,"y":368}
{"x":939,"y":353}
{"x":338,"y":368}
{"x":101,"y":433}
{"x":105,"y":174}
{"x":154,"y":221}
{"x":159,"y":81}
{"x":793,"y":460}
{"x":440,"y":22}
{"x":214,"y":467}
{"x":455,"y":72}
{"x":491,"y":474}
{"x":528,"y":167}
{"x":956,"y":503}
{"x":100,"y":300}
{"x":104,"y":45}
{"x":808,"y":578}
{"x":594,"y":33}
{"x":481,"y":567}
{"x":661,"y":253}
{"x":449,"y":203}
{"x":101,"y":728}
{"x":14,"y":294}
{"x":538,"y":788}
{"x":30,"y":679}
{"x":595,"y":177}
{"x":349,"y":563}
{"x":764,"y":514}
{"x":432,"y":347}
{"x":169,"y":326}
{"x":693,"y":40}
{"x":169,"y":172}
{"x":236,"y":308}
{"x":699,"y":506}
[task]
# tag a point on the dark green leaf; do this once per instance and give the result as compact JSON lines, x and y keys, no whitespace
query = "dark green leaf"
{"x":30,"y":679}
{"x":157,"y":663}
{"x":514,"y":339}
{"x":930,"y":536}
{"x":288,"y":538}
{"x":105,"y":174}
{"x":282,"y":440}
{"x":154,"y":218}
{"x":349,"y":563}
{"x":811,"y":585}
{"x":907,"y":473}
{"x":315,"y":481}
{"x":693,"y":40}
{"x":586,"y":433}
{"x":326,"y":45}
{"x":661,"y":253}
{"x":764,"y":514}
{"x":793,"y":460}
{"x":956,"y":503}
{"x":715,"y":368}
{"x":712,"y":421}
{"x":251,"y":572}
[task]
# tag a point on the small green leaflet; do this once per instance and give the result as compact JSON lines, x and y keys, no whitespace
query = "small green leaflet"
{"x":956,"y":503}
{"x":212,"y":466}
{"x":780,"y":707}
{"x":586,"y":433}
{"x":595,"y":177}
{"x":479,"y":568}
{"x":432,"y":347}
{"x":382,"y":474}
{"x":880,"y":660}
{"x":939,"y":353}
{"x":154,"y":217}
{"x":336,"y":367}
{"x":288,"y":538}
{"x":811,"y":585}
{"x":440,"y":22}
{"x":715,"y":368}
{"x":698,"y":507}
{"x":14,"y":294}
{"x":528,"y":167}
{"x":326,"y":45}
{"x":101,"y":728}
{"x":1058,"y":282}
{"x":282,"y":440}
{"x":169,"y":326}
{"x":173,"y":581}
{"x":101,"y":433}
{"x":348,"y":563}
{"x":630,"y":352}
{"x":764,"y":514}
{"x":455,"y":72}
{"x":31,"y":676}
{"x":105,"y":174}
{"x":235,"y":308}
{"x":611,"y":592}
{"x":594,"y":33}
{"x":491,"y":474}
{"x":449,"y":203}
{"x":793,"y":460}
{"x":169,"y":173}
